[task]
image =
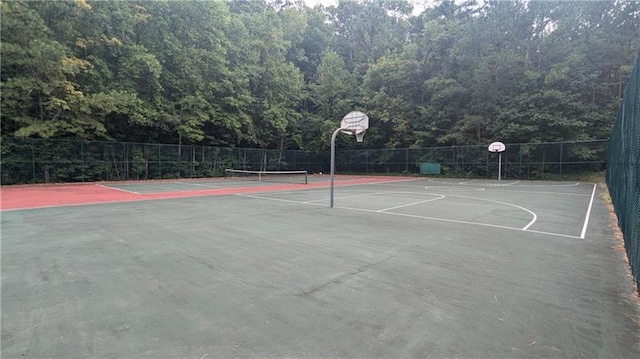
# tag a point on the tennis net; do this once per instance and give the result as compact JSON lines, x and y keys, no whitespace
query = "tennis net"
{"x":299,"y":177}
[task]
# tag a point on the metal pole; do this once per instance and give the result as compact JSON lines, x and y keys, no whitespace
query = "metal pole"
{"x":82,"y":159}
{"x":33,"y":160}
{"x":486,"y":170}
{"x":561,"y":158}
{"x":406,"y":161}
{"x":499,"y":165}
{"x":333,"y":163}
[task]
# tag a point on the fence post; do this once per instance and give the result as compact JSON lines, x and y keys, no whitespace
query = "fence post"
{"x":520,"y":162}
{"x":561,"y":143}
{"x":124,"y":161}
{"x":33,"y":160}
{"x":406,"y":161}
{"x":486,"y":170}
{"x":159,"y":163}
{"x":82,"y":159}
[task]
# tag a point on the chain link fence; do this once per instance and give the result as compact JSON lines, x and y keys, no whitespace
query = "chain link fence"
{"x":623,"y":169}
{"x":519,"y":161}
{"x":30,"y":160}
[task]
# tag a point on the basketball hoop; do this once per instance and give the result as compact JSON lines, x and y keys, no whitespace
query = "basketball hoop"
{"x":498,"y":147}
{"x":354,"y":123}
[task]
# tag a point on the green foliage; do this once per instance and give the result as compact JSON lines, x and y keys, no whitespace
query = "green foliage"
{"x":278,"y":74}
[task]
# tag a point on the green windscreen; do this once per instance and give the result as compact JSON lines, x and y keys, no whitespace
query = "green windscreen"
{"x":623,"y":169}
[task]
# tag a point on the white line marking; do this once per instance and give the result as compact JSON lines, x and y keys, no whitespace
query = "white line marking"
{"x":277,"y":199}
{"x":449,"y":188}
{"x":410,"y":204}
{"x":460,"y":222}
{"x":74,"y":205}
{"x":586,"y":218}
{"x":553,"y":234}
{"x":525,"y":229}
{"x":116,"y":188}
{"x":462,"y":183}
{"x":502,"y":185}
{"x":535,"y":217}
{"x":196,"y":184}
{"x":457,"y":189}
{"x":478,"y":224}
{"x":553,"y":185}
{"x":352,"y":196}
{"x":551,"y":193}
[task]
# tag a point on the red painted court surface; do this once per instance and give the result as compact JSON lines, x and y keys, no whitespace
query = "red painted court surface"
{"x":53,"y":195}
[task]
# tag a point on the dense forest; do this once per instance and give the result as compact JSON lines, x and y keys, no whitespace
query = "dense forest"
{"x":279,"y":74}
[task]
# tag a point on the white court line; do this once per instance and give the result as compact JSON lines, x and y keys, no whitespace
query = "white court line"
{"x":458,"y":189}
{"x":498,"y":184}
{"x":196,"y":184}
{"x":116,"y":188}
{"x":508,"y":184}
{"x":458,"y":221}
{"x":462,"y":183}
{"x":452,"y":187}
{"x":477,"y":224}
{"x":553,"y":185}
{"x":552,"y":193}
{"x":410,"y":204}
{"x":480,"y":189}
{"x":278,"y":199}
{"x":535,"y":217}
{"x":524,"y":229}
{"x":586,"y":218}
{"x":341,"y":197}
{"x":368,"y":193}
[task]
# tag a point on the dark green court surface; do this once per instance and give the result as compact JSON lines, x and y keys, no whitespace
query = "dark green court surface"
{"x":423,"y":268}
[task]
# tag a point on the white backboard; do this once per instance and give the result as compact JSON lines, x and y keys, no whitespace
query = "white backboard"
{"x":497,"y":147}
{"x":354,"y":122}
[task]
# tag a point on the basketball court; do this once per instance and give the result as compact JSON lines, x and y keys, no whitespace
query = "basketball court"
{"x":399,"y":267}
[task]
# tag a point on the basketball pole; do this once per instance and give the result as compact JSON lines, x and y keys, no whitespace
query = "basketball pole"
{"x":353,"y":123}
{"x":499,"y":165}
{"x":333,"y":161}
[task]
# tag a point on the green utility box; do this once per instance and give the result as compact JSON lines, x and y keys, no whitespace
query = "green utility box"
{"x":429,"y":168}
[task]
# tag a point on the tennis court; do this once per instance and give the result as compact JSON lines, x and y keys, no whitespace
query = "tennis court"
{"x":400,"y":267}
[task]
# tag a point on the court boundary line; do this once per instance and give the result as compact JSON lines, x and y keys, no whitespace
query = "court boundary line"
{"x":480,"y":189}
{"x":324,"y":199}
{"x":526,"y":227}
{"x":463,"y":183}
{"x":586,"y":218}
{"x":195,"y":184}
{"x":535,"y":216}
{"x":416,"y":216}
{"x":115,"y":188}
{"x":466,"y":188}
{"x":410,"y":204}
{"x":550,"y":193}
